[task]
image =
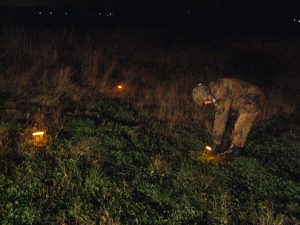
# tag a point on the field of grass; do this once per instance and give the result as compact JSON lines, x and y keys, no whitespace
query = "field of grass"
{"x":133,"y":155}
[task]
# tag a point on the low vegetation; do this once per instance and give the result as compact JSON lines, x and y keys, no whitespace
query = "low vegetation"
{"x":132,"y":155}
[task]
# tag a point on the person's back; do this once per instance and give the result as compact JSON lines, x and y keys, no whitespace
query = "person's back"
{"x":244,"y":96}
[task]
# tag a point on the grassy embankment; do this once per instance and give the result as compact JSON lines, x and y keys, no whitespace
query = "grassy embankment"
{"x":133,"y":156}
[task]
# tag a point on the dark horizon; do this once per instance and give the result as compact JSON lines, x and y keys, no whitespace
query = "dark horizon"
{"x":282,"y":21}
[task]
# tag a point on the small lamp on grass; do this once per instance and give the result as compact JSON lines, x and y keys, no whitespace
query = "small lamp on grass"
{"x":120,"y":89}
{"x":120,"y":86}
{"x":208,"y":148}
{"x":208,"y":157}
{"x":39,"y":137}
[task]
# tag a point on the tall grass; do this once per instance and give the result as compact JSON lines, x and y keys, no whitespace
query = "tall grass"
{"x":157,"y":70}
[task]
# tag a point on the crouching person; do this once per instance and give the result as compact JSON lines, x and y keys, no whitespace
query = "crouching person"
{"x":227,"y":95}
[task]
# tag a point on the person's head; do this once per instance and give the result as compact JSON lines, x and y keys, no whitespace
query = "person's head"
{"x":201,"y":95}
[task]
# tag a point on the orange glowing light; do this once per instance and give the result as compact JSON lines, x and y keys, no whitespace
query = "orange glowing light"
{"x":38,"y":133}
{"x":39,"y":138}
{"x":120,"y":86}
{"x":208,"y":148}
{"x":208,"y":157}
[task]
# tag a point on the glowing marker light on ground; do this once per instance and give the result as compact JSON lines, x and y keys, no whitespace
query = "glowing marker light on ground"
{"x":208,"y":148}
{"x":38,"y":133}
{"x":39,"y":138}
{"x":207,"y":156}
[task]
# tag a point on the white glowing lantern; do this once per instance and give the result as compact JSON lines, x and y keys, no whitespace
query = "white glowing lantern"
{"x":208,"y":148}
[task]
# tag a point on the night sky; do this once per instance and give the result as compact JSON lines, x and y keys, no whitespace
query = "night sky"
{"x":222,"y":6}
{"x":270,"y":12}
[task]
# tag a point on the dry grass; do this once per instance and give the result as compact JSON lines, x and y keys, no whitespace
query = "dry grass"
{"x":4,"y":139}
{"x":268,"y":217}
{"x":46,"y":66}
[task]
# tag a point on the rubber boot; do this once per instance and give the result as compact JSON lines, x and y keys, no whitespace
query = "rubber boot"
{"x":233,"y":152}
{"x":216,"y":149}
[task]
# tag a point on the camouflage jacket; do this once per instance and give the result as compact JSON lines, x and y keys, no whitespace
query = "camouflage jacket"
{"x":233,"y":94}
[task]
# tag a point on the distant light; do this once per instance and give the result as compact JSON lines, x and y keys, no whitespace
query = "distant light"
{"x":188,"y":12}
{"x":40,"y":12}
{"x":294,"y":19}
{"x":100,"y":13}
{"x":66,"y":13}
{"x":50,"y":13}
{"x":120,"y":86}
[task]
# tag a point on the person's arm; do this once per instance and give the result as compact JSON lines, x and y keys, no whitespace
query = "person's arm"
{"x":222,"y":111}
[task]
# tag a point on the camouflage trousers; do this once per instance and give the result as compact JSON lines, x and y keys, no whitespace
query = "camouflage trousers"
{"x":242,"y":128}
